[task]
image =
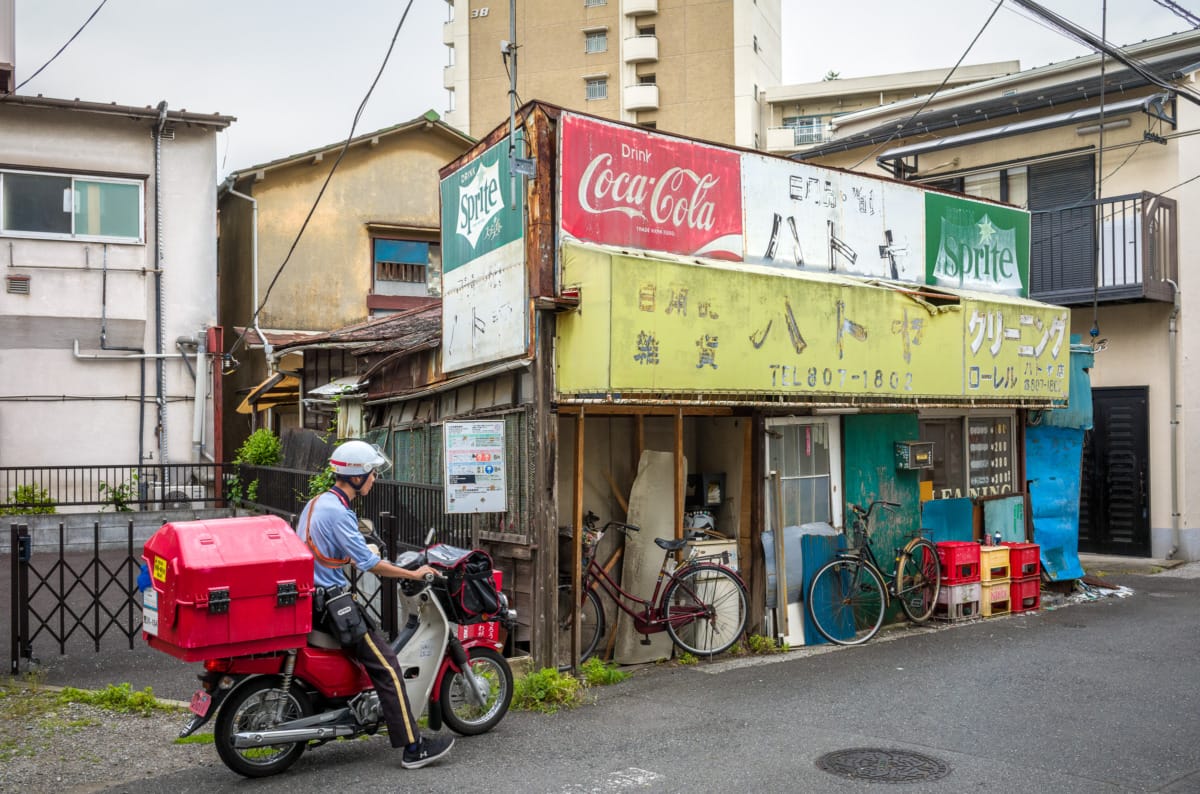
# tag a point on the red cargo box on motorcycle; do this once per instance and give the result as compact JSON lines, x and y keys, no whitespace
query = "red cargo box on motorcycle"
{"x":227,"y":587}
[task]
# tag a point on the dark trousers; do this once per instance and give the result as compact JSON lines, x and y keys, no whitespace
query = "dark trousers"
{"x":383,"y":668}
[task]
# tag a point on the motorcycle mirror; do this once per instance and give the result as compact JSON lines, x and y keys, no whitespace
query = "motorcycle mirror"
{"x":429,"y":536}
{"x":366,"y":526}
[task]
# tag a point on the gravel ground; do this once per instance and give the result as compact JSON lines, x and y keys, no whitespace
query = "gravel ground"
{"x":76,"y":748}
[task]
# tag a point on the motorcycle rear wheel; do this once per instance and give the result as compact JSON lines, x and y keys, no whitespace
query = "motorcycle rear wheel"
{"x":459,"y":711}
{"x":254,"y":707}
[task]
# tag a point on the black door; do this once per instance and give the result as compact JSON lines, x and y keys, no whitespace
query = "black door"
{"x":1114,"y":504}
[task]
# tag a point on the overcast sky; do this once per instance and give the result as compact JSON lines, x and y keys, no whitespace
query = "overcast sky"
{"x":293,"y":72}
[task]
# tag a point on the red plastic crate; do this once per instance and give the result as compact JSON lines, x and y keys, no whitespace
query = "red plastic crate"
{"x":959,"y":561}
{"x":1025,"y":595}
{"x":228,"y":587}
{"x":1025,"y":560}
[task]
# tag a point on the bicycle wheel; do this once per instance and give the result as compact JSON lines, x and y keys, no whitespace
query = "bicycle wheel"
{"x":918,"y":577}
{"x":846,"y":601}
{"x":705,"y":609}
{"x":591,"y":625}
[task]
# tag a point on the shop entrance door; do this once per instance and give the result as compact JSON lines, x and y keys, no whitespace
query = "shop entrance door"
{"x":804,"y":486}
{"x":1114,"y":504}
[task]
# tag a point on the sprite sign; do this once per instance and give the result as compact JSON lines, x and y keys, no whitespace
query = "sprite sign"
{"x":484,"y":297}
{"x":977,"y":246}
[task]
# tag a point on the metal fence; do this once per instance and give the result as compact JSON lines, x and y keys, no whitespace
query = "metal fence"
{"x":169,"y":486}
{"x":71,"y":600}
{"x":412,"y":509}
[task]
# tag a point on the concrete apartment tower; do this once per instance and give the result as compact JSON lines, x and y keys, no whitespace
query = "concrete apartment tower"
{"x":695,"y":67}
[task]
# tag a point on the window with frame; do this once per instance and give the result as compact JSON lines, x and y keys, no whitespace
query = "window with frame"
{"x":973,"y":456}
{"x":806,"y":455}
{"x":66,"y":206}
{"x":597,"y":88}
{"x":405,"y":261}
{"x":595,"y":41}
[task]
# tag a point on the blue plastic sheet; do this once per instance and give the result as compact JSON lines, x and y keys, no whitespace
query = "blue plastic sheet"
{"x":1053,"y":457}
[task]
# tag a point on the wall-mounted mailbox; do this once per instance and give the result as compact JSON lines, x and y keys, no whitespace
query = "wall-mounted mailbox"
{"x":914,"y":455}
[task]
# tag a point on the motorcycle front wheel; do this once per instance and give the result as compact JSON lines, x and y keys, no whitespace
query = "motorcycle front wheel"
{"x":459,"y":707}
{"x":257,"y":706}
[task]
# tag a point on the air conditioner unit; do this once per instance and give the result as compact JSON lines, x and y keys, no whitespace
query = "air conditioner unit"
{"x":165,"y":496}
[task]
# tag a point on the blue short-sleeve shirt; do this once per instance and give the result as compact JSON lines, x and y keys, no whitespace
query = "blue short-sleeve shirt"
{"x":335,"y":533}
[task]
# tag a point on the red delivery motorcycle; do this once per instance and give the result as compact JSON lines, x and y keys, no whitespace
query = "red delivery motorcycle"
{"x":272,"y":706}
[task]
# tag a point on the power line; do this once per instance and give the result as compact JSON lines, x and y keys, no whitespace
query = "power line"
{"x":1180,"y":12}
{"x":63,"y":47}
{"x":345,"y":146}
{"x":928,"y":99}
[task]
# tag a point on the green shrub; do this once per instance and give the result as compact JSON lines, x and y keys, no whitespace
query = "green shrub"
{"x":762,"y":645}
{"x":687,"y":657}
{"x":121,"y":495}
{"x":320,"y":483}
{"x":262,"y":448}
{"x":546,"y":691}
{"x":596,"y":672}
{"x":39,"y":498}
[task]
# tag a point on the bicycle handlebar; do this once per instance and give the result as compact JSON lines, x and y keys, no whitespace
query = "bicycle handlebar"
{"x":866,"y":514}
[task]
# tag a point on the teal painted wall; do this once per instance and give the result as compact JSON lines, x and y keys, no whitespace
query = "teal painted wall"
{"x":871,"y":473}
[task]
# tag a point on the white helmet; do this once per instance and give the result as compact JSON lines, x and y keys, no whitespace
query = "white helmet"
{"x":354,"y":458}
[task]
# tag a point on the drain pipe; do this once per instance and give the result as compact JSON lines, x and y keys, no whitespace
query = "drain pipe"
{"x":267,"y":349}
{"x":141,"y":425}
{"x":1172,"y":369}
{"x":159,"y":298}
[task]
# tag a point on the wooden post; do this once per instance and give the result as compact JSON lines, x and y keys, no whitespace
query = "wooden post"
{"x":577,"y":538}
{"x":680,"y":474}
{"x":781,"y":602}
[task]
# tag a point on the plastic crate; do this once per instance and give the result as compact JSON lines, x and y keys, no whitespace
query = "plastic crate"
{"x":1025,"y":560}
{"x":1025,"y":595}
{"x":993,"y":563}
{"x":996,"y":598}
{"x":959,"y":561}
{"x":958,"y":602}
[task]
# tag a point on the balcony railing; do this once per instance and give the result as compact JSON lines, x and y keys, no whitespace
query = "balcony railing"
{"x":641,"y":49}
{"x":1117,"y":249}
{"x":636,"y":8}
{"x":788,"y":138}
{"x":641,"y":97}
{"x":69,"y":489}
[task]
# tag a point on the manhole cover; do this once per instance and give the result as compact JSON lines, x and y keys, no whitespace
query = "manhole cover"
{"x":883,"y":766}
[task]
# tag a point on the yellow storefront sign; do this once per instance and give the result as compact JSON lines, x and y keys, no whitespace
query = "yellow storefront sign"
{"x":663,"y":327}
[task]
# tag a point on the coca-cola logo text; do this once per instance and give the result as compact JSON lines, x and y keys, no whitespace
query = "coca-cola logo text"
{"x":678,"y":196}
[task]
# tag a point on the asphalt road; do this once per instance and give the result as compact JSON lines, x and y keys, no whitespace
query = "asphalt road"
{"x":1090,"y":697}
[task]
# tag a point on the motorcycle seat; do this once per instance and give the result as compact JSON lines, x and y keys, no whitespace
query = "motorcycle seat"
{"x":322,"y":639}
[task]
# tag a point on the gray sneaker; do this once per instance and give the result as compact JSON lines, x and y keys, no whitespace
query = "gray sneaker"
{"x":429,"y":750}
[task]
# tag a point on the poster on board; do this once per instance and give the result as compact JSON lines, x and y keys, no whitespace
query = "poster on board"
{"x":475,"y":464}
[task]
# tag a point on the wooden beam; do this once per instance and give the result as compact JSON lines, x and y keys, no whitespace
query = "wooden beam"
{"x":647,"y":410}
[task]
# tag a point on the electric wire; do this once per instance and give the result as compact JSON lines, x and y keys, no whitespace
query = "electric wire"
{"x":62,"y":48}
{"x":1180,"y":12}
{"x":333,"y":169}
{"x":928,"y":99}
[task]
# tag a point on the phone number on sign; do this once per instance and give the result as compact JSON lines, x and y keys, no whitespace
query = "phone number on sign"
{"x":784,"y":376}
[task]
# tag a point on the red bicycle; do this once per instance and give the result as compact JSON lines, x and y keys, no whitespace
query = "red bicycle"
{"x":703,"y":604}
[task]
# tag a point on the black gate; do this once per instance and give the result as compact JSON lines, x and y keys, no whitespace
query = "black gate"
{"x":1114,"y":509}
{"x":74,"y":599}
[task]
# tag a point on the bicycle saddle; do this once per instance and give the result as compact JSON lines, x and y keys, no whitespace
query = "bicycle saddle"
{"x":671,"y":545}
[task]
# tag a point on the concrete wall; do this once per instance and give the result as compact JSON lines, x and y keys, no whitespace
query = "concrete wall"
{"x":61,"y":410}
{"x":79,"y":529}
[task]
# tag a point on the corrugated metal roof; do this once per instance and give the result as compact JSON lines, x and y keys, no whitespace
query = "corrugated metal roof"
{"x":148,"y":112}
{"x":390,"y":333}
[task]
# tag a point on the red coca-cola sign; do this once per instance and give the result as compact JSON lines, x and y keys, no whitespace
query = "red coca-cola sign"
{"x":635,"y":189}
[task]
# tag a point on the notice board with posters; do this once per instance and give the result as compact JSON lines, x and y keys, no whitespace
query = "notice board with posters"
{"x":475,"y":464}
